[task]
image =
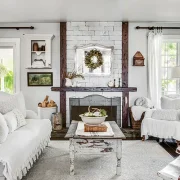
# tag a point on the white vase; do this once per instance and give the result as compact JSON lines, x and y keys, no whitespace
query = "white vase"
{"x":68,"y":82}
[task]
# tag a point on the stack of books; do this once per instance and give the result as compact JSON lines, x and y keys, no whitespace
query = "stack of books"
{"x":95,"y":128}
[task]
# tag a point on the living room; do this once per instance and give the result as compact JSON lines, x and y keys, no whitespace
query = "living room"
{"x":89,"y":90}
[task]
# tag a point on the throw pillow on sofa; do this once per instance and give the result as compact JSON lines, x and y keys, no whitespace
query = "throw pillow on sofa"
{"x":12,"y":102}
{"x":3,"y":129}
{"x":15,"y":120}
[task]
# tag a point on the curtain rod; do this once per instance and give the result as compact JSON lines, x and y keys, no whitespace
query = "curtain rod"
{"x":158,"y":28}
{"x":17,"y":28}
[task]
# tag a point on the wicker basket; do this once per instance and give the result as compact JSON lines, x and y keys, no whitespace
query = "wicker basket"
{"x":136,"y":124}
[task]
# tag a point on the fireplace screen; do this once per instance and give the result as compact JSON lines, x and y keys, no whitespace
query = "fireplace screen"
{"x":111,"y":105}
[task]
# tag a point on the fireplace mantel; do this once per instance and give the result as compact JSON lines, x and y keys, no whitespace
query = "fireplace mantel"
{"x":94,"y":89}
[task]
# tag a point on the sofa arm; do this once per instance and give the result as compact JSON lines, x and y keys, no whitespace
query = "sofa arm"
{"x":31,"y":114}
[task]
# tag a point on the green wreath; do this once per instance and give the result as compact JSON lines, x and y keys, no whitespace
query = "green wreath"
{"x":89,"y":61}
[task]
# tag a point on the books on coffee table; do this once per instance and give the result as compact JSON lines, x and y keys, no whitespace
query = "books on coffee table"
{"x":80,"y":131}
{"x":95,"y":128}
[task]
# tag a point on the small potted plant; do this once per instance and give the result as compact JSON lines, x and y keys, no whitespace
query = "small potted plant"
{"x":69,"y":76}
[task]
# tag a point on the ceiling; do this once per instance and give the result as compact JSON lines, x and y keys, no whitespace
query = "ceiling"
{"x":89,"y":10}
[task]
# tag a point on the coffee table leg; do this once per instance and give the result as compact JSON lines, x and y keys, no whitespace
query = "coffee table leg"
{"x":71,"y":152}
{"x":118,"y":156}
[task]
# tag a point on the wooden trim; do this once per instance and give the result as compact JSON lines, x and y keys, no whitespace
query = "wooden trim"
{"x":125,"y":98}
{"x":94,"y":89}
{"x":63,"y":69}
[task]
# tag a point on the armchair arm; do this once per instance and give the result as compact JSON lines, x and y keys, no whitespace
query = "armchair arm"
{"x":31,"y":114}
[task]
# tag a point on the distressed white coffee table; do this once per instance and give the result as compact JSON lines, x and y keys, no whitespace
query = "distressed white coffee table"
{"x":95,"y":144}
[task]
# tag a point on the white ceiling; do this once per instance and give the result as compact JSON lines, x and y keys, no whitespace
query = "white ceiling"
{"x":89,"y":10}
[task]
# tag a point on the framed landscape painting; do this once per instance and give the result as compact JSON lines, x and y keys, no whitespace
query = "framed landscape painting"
{"x":40,"y":79}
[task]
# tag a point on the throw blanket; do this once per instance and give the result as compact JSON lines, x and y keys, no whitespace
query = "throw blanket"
{"x":163,"y":114}
{"x":23,"y":146}
{"x":143,"y":101}
{"x":137,"y":112}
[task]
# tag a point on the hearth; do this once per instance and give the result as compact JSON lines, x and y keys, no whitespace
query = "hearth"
{"x":112,"y":105}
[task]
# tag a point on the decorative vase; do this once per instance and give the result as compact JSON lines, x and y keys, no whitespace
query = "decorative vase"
{"x":56,"y":121}
{"x":68,"y":82}
{"x":35,"y":47}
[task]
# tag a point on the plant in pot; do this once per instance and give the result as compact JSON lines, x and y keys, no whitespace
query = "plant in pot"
{"x":69,"y":76}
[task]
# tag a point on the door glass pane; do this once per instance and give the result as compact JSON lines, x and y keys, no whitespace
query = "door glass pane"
{"x":6,"y":70}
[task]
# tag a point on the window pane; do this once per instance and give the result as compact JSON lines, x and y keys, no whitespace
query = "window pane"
{"x":171,"y":48}
{"x":6,"y":61}
{"x":171,"y":85}
{"x":171,"y":61}
{"x":164,"y":61}
{"x":164,"y":73}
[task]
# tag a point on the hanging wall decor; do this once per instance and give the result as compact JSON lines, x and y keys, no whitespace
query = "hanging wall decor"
{"x":93,"y":59}
{"x":138,"y":59}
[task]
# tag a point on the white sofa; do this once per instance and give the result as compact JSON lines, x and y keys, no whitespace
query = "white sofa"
{"x":163,"y":128}
{"x":23,"y":147}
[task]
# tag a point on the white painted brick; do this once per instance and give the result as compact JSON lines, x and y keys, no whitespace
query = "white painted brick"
{"x":117,"y":46}
{"x":115,"y":33}
{"x":95,"y":37}
{"x":115,"y":38}
{"x":77,"y":23}
{"x":107,"y":43}
{"x":68,"y":24}
{"x":118,"y":42}
{"x":117,"y":28}
{"x":83,"y":28}
{"x":100,"y":28}
{"x":83,"y":37}
{"x":117,"y":57}
{"x":104,"y":38}
{"x":72,"y":38}
{"x":101,"y":33}
{"x":88,"y":33}
{"x":108,"y":28}
{"x":92,"y":24}
{"x":118,"y":24}
{"x":73,"y":28}
{"x":117,"y":52}
{"x":69,"y":33}
{"x":78,"y":33}
{"x":103,"y":23}
{"x":110,"y":23}
{"x":70,"y":46}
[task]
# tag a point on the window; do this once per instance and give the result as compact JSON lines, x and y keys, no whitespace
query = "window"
{"x":170,"y":58}
{"x":6,"y":69}
{"x":10,"y":65}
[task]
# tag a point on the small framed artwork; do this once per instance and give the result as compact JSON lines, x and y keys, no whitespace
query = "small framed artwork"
{"x":40,"y":79}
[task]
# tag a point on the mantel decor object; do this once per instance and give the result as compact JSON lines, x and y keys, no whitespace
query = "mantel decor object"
{"x":138,"y":59}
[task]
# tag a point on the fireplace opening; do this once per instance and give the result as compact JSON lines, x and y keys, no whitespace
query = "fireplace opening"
{"x":77,"y":110}
{"x":112,"y":106}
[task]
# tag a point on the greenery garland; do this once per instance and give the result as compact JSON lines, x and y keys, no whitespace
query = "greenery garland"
{"x":88,"y":59}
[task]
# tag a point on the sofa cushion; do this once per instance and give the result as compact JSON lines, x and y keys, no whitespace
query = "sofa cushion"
{"x":14,"y":119}
{"x":3,"y":129}
{"x":4,"y":95}
{"x":11,"y":102}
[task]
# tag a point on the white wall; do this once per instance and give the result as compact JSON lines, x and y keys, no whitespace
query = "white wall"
{"x":33,"y":95}
{"x":138,"y":42}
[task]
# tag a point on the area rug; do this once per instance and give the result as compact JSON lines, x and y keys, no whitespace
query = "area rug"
{"x":140,"y":161}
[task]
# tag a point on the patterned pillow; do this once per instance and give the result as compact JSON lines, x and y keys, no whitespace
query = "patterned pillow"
{"x":3,"y":129}
{"x":14,"y":119}
{"x":12,"y":102}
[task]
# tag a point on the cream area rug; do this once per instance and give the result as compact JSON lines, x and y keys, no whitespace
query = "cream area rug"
{"x":140,"y":161}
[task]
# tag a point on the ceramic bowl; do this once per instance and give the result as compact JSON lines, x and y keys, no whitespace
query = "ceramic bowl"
{"x":93,"y":120}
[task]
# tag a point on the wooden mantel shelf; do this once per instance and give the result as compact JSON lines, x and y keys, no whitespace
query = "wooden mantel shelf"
{"x":94,"y":89}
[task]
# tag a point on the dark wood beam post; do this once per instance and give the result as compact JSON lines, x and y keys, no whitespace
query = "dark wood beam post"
{"x":125,"y":95}
{"x":63,"y":69}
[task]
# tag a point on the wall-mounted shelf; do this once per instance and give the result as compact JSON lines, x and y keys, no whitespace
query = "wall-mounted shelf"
{"x":39,"y":51}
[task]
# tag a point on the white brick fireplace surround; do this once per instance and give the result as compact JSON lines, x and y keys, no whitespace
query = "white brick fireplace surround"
{"x":103,"y":33}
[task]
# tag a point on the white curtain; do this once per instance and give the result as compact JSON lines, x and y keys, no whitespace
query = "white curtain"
{"x":154,"y":67}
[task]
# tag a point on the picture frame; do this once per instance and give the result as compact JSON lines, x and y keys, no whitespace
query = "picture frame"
{"x":40,"y":78}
